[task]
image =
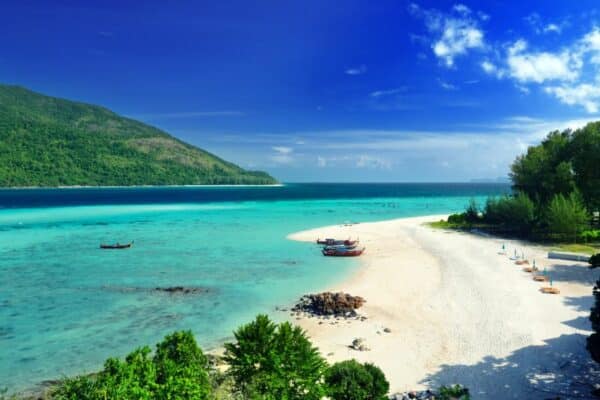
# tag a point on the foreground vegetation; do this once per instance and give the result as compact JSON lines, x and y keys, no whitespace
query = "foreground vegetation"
{"x":267,"y":361}
{"x":45,"y":141}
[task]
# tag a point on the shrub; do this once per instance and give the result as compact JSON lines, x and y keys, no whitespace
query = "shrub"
{"x":471,"y":213}
{"x":456,"y":392}
{"x":515,"y":212}
{"x":350,"y":380}
{"x":593,"y":341}
{"x":457,"y":219}
{"x":177,"y":371}
{"x":566,"y":216}
{"x":594,"y":261}
{"x":270,"y":361}
{"x":590,"y":236}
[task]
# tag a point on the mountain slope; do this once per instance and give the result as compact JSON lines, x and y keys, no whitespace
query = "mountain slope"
{"x":46,"y":141}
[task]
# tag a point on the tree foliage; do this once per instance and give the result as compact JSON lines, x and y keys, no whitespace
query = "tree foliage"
{"x":176,"y":371}
{"x":454,"y":392}
{"x":566,"y":216}
{"x":45,"y":141}
{"x":350,"y":380}
{"x":517,"y":212}
{"x":563,"y":162}
{"x":270,"y":361}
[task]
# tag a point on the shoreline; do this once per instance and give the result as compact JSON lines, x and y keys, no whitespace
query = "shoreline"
{"x":456,"y":309}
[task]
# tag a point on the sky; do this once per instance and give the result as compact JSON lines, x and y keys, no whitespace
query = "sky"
{"x":359,"y":90}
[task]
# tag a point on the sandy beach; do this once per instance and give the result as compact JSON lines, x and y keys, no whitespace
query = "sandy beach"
{"x":460,"y":312}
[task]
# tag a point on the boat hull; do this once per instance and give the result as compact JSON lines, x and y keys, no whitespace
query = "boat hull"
{"x":343,"y":253}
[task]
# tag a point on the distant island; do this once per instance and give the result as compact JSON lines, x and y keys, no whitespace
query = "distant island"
{"x":51,"y":142}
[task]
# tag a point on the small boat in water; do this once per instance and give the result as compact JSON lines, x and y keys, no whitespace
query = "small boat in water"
{"x":337,"y":242}
{"x":341,"y":246}
{"x":116,"y":246}
{"x":342,"y":252}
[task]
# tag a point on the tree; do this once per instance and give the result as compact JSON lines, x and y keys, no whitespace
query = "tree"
{"x":350,"y":380}
{"x":566,"y":216}
{"x":545,"y":170}
{"x":515,"y":212}
{"x":177,"y":371}
{"x":585,"y":150}
{"x":181,"y":367}
{"x":472,"y":211}
{"x":270,"y":361}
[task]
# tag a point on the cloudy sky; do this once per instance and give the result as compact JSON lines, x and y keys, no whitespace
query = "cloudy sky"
{"x":322,"y":90}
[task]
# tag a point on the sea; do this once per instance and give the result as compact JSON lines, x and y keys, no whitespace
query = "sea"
{"x":66,"y":305}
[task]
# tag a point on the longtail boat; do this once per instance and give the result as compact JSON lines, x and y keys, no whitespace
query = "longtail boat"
{"x":337,"y":242}
{"x":116,"y":246}
{"x":338,"y":252}
{"x":341,"y":246}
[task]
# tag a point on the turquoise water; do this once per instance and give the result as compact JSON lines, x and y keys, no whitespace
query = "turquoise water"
{"x":65,"y":305}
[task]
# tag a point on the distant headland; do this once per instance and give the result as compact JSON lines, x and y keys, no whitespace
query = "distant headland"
{"x":51,"y":142}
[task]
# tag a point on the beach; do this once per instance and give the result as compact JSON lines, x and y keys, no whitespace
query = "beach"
{"x":446,"y":307}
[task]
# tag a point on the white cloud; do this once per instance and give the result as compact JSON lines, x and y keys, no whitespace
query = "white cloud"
{"x":361,"y":69}
{"x":452,"y":35}
{"x":478,"y":150}
{"x":462,"y":9}
{"x":552,"y":28}
{"x":387,"y":92}
{"x":282,"y":149}
{"x":283,"y":155}
{"x":458,"y":36}
{"x":367,"y":161}
{"x":446,"y":85}
{"x":585,"y":94}
{"x":540,"y":26}
{"x":539,"y":67}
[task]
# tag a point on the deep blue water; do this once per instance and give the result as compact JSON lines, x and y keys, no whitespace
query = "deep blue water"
{"x":65,"y":305}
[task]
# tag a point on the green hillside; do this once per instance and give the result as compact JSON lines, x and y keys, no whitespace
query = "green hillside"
{"x":46,"y":141}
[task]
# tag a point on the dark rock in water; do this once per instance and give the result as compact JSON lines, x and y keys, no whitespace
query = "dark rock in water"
{"x":171,"y":290}
{"x":327,"y":303}
{"x":181,"y":290}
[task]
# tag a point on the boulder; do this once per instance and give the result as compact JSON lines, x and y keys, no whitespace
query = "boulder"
{"x":330,"y":304}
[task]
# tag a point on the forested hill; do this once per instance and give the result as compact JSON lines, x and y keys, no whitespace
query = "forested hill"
{"x":46,"y":141}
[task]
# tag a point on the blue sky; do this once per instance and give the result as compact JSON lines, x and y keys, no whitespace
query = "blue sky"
{"x":322,"y":90}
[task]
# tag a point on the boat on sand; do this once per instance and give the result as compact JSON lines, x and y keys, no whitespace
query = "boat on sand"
{"x":342,"y":252}
{"x":334,"y":242}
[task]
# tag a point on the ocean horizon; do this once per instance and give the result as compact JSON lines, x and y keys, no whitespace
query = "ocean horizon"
{"x":66,"y":305}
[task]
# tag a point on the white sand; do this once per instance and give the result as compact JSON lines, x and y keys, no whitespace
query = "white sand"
{"x":459,"y":312}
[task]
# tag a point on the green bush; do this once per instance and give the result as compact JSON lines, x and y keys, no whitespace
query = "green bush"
{"x":472,"y":211}
{"x":590,"y":236}
{"x":593,"y":341}
{"x":350,"y":380}
{"x":177,"y":371}
{"x":270,"y":361}
{"x":457,"y":219}
{"x":566,"y":216}
{"x":513,"y":212}
{"x":456,"y":392}
{"x":594,"y":261}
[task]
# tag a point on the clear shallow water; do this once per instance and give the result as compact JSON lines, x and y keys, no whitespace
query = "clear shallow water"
{"x":65,"y":305}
